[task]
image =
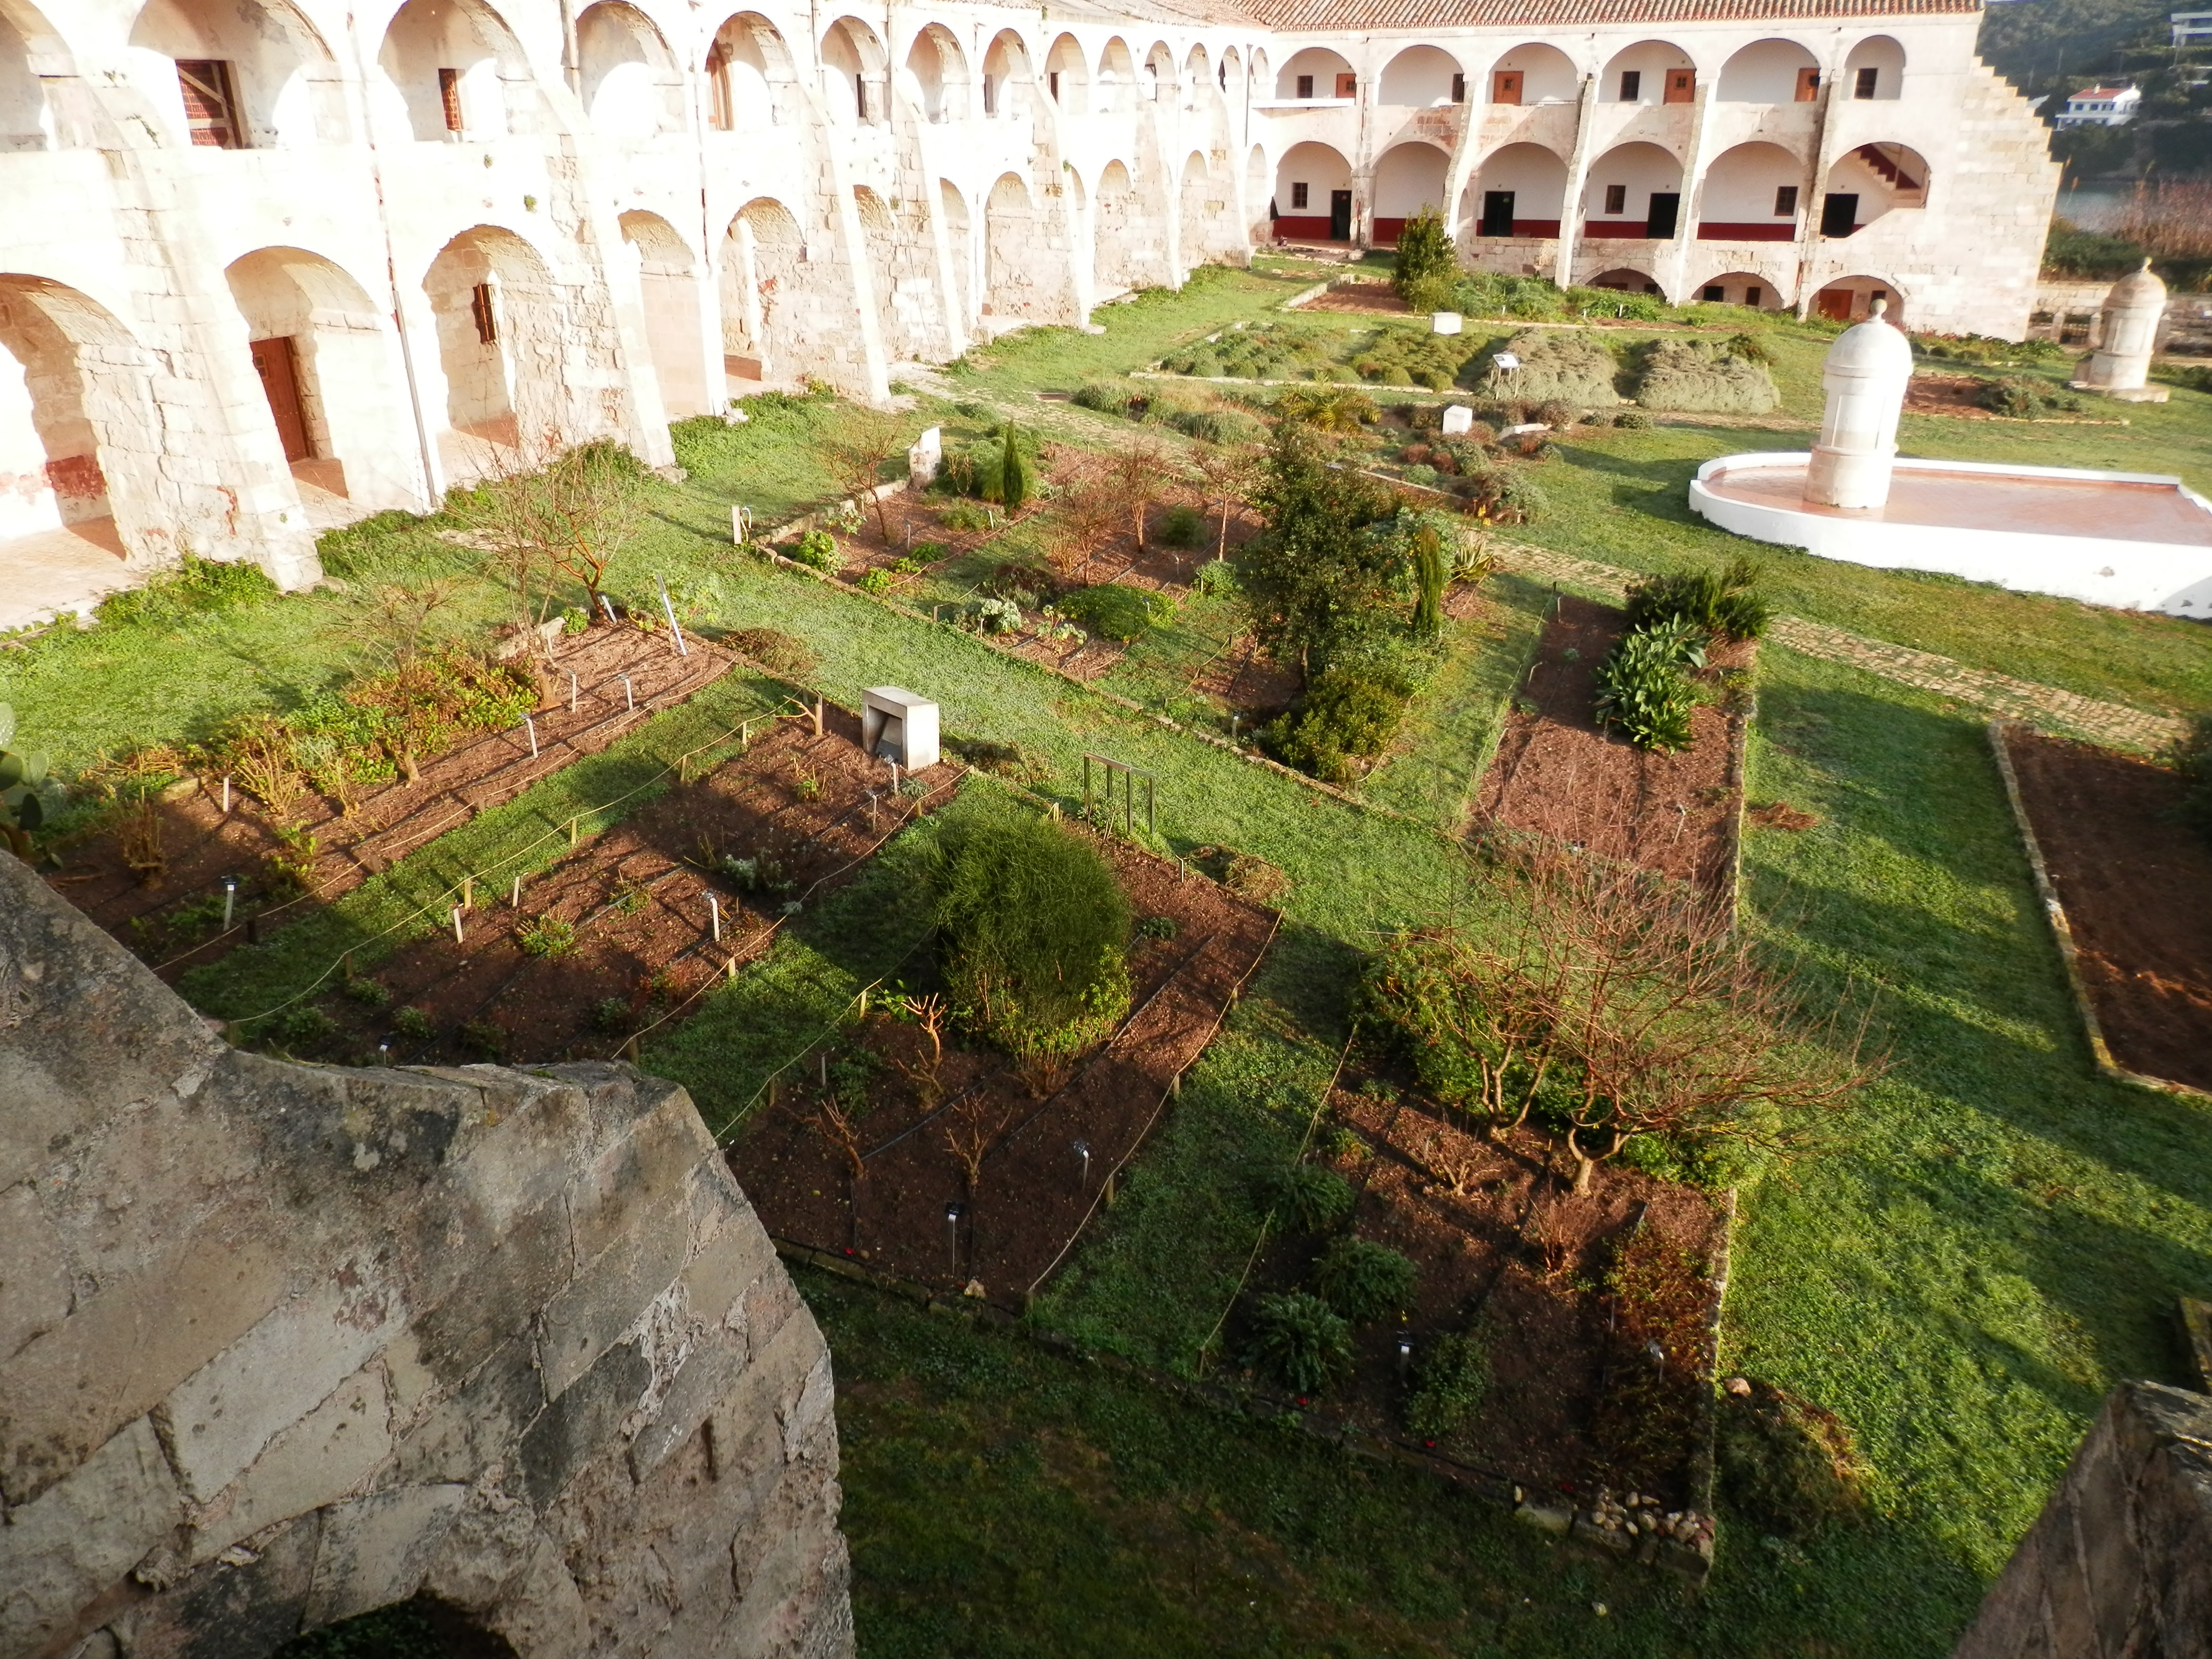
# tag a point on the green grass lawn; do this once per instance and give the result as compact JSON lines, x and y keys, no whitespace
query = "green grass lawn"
{"x":1987,"y":1240}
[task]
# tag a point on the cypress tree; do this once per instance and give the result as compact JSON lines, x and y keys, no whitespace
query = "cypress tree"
{"x":1013,"y":476}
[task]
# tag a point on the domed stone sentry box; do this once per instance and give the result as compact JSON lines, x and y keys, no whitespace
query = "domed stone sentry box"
{"x":282,"y":1343}
{"x":2120,"y":366}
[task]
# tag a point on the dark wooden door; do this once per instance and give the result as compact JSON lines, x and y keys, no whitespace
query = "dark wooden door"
{"x":1666,"y":214}
{"x":280,"y":380}
{"x":1340,"y":215}
{"x":1496,"y":213}
{"x":1834,"y":304}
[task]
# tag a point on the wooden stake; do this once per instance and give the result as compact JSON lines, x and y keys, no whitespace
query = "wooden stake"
{"x":468,"y":892}
{"x":457,"y":939}
{"x":572,"y":834}
{"x":818,"y":717}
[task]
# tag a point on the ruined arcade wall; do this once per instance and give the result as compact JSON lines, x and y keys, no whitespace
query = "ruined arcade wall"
{"x":282,"y":1343}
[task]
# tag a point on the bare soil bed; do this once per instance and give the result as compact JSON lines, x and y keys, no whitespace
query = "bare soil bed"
{"x":1036,"y":1192}
{"x":2135,"y":883}
{"x":1558,"y":776}
{"x":1566,"y":1294}
{"x":635,"y":901}
{"x":172,"y":917}
{"x":1361,"y":299}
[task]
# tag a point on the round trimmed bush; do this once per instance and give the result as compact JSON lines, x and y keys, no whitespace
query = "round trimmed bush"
{"x":1309,"y":1198}
{"x":1363,"y":1280}
{"x":1300,"y":1341}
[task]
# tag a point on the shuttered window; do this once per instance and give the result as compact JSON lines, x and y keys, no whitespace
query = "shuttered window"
{"x":449,"y":95}
{"x":210,"y":103}
{"x":480,"y":308}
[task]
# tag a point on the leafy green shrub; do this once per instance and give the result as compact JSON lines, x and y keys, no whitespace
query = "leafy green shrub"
{"x":486,"y":1037}
{"x":1159,"y":928}
{"x":547,"y":937}
{"x":1504,"y":497}
{"x":1451,"y":1383}
{"x":994,"y":616}
{"x":1215,"y":577}
{"x":1307,"y":1198}
{"x":23,"y":789}
{"x":1346,"y":713}
{"x":1555,"y":363}
{"x":1182,"y":526}
{"x":1033,"y":929}
{"x":1109,"y":398}
{"x":413,"y":1023}
{"x":876,"y":582}
{"x":764,"y":872}
{"x":1634,"y":420}
{"x":966,"y":516}
{"x":1791,"y":1463}
{"x":1329,"y":409}
{"x":1751,"y":348}
{"x":1644,"y":686}
{"x":1412,"y":993}
{"x":1216,"y":426}
{"x":2025,"y":398}
{"x":1486,"y":295}
{"x":1113,"y":612}
{"x":1364,"y":1281}
{"x":1298,"y":1341}
{"x":306,"y":1024}
{"x":1726,"y":601}
{"x":1427,"y":273}
{"x":1617,"y":303}
{"x":1554,"y":413}
{"x":783,"y":655}
{"x":611,"y":1013}
{"x":369,"y":992}
{"x":817,"y":549}
{"x":197,"y":586}
{"x":1700,"y":376}
{"x":1004,"y":760}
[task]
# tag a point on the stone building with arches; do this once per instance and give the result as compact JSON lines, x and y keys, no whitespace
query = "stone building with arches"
{"x":257,"y":253}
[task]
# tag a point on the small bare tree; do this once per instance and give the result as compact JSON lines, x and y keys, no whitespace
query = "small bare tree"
{"x":1228,"y":474}
{"x":546,"y":512}
{"x":930,"y":1013}
{"x":973,"y":1125}
{"x":864,"y":440}
{"x":1088,"y":508}
{"x":1136,"y":471}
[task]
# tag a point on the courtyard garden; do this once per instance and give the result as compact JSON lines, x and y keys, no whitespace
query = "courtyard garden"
{"x":1265,"y":1117}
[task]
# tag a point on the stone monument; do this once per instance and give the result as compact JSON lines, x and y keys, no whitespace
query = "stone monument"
{"x":2120,"y":366}
{"x":1459,"y":419}
{"x":1865,"y":377}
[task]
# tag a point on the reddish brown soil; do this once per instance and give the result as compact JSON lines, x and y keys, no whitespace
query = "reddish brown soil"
{"x":1365,"y":298}
{"x":1574,"y":1399}
{"x":2134,"y":883}
{"x":636,"y":898}
{"x":1558,"y":776}
{"x":1033,"y":1199}
{"x":201,"y":846}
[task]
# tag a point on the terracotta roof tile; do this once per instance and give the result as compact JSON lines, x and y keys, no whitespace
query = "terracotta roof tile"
{"x":1538,"y":14}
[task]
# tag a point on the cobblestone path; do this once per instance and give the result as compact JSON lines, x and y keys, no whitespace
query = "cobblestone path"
{"x":2114,"y":725}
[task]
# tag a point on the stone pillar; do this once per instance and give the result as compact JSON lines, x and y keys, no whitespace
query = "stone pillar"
{"x":1865,"y":376}
{"x":2120,"y":366}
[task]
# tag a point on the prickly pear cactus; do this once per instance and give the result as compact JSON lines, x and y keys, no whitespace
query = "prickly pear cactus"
{"x":22,"y":809}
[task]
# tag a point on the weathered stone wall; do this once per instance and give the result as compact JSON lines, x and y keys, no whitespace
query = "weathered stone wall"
{"x":282,"y":1343}
{"x":2120,"y":1564}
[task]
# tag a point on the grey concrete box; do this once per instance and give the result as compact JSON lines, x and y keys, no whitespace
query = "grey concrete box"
{"x":897,"y":725}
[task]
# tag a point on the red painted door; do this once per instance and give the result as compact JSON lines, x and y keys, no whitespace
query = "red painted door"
{"x":273,"y":360}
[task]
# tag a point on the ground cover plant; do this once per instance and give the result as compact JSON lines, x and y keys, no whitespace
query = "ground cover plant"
{"x":1709,"y":377}
{"x":1574,"y":368}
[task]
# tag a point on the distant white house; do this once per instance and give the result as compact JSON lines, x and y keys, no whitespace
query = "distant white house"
{"x":2192,"y":28}
{"x":2101,"y":106}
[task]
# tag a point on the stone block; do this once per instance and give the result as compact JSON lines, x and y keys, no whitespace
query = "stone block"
{"x":474,"y":1291}
{"x":34,"y":1285}
{"x":704,"y":1380}
{"x":478,"y":1425}
{"x":731,"y":1265}
{"x":604,"y":1303}
{"x":809,"y":1408}
{"x":221,"y":1416}
{"x":82,"y":1534}
{"x":1556,"y":1518}
{"x":249,"y":1604}
{"x":376,"y":1550}
{"x":580,"y":1424}
{"x":647,"y":1165}
{"x":321,"y":1458}
{"x":120,"y":1351}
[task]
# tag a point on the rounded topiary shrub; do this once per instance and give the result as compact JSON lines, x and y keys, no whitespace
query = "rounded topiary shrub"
{"x":1364,"y":1281}
{"x":1034,"y":931}
{"x":1306,"y":1198}
{"x":1300,"y":1341}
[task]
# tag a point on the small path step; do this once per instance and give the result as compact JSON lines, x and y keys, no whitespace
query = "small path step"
{"x":2068,"y":713}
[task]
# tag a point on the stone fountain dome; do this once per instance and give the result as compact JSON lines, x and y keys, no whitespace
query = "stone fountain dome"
{"x":2139,"y":287}
{"x":1873,"y":348}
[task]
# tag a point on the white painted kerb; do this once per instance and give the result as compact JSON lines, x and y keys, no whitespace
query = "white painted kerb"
{"x":2122,"y":573}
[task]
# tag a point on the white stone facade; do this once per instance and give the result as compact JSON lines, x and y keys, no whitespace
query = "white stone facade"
{"x":246,"y":243}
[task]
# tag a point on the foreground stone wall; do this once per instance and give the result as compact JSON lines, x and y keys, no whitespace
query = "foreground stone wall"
{"x":2120,"y":1564}
{"x":282,"y":1343}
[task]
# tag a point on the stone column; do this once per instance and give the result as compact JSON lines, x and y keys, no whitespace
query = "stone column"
{"x":1865,"y":376}
{"x":1571,"y":205}
{"x":2120,"y":366}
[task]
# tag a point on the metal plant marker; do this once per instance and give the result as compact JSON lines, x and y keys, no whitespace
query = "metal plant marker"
{"x":682,"y":650}
{"x":715,"y":916}
{"x":629,"y":696}
{"x":1082,"y":1150}
{"x":530,"y":726}
{"x":608,"y":605}
{"x":229,"y":900}
{"x":1128,"y":774}
{"x":572,"y":690}
{"x":953,"y":1211}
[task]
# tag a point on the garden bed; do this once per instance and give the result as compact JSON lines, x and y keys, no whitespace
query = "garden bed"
{"x":174,"y":919}
{"x":1558,"y":776}
{"x":2129,"y":883}
{"x":1564,"y":1294}
{"x":627,"y":912}
{"x":1036,"y":1192}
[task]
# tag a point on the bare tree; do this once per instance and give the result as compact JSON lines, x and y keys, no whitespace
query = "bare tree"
{"x":930,"y":1013}
{"x":972,"y":1124}
{"x":1228,"y":474}
{"x":864,"y":440}
{"x":546,"y":512}
{"x":1137,"y":470}
{"x":1088,"y":508}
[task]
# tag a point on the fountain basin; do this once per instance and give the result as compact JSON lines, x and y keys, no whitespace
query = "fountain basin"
{"x":2134,"y":541}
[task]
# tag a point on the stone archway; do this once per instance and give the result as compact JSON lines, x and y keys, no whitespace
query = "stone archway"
{"x":501,"y":342}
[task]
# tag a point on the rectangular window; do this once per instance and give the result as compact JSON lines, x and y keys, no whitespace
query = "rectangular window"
{"x":720,"y":115}
{"x":1864,"y":85}
{"x":1754,"y":295}
{"x":1616,"y":198}
{"x":449,"y":95}
{"x":1631,"y":85}
{"x":1506,"y":87}
{"x":1052,"y":81}
{"x":1714,"y":294}
{"x":1459,"y":88}
{"x":990,"y":95}
{"x":1299,"y":195}
{"x":1808,"y":85}
{"x":1785,"y":201}
{"x":210,"y":106}
{"x":1840,"y":213}
{"x":1305,"y":86}
{"x":1347,"y":86}
{"x":1681,"y":86}
{"x":480,"y":308}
